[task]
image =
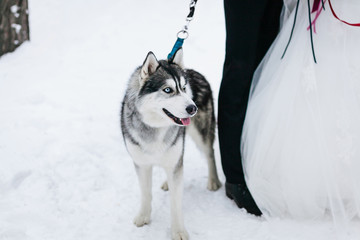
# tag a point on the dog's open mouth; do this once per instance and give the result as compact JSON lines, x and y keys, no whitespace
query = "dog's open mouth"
{"x":180,"y":121}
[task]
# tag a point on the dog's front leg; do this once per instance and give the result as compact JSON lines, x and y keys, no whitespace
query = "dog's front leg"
{"x":175,"y":183}
{"x":144,"y":174}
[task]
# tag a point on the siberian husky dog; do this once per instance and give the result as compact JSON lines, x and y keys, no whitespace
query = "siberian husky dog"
{"x":161,"y":100}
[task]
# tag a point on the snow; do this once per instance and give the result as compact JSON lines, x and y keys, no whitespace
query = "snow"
{"x":65,"y":173}
{"x":14,"y":9}
{"x":17,"y":27}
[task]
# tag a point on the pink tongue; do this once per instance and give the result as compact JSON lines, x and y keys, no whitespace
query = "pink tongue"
{"x":185,"y":121}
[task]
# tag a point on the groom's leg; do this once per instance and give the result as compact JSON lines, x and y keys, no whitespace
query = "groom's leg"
{"x":251,"y":27}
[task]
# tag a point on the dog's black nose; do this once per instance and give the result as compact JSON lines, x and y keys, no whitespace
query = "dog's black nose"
{"x":191,"y":109}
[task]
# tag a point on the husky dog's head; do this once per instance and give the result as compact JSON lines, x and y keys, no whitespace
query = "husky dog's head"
{"x":164,"y":97}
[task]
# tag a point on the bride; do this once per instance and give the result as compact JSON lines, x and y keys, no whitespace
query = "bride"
{"x":301,"y":139}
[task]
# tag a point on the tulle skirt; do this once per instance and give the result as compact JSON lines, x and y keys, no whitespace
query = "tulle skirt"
{"x":301,"y":137}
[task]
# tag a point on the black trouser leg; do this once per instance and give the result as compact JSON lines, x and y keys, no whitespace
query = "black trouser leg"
{"x":251,"y":26}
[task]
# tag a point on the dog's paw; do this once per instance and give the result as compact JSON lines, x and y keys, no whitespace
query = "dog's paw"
{"x":165,"y":186}
{"x":141,"y":220}
{"x":213,"y":184}
{"x":180,"y":235}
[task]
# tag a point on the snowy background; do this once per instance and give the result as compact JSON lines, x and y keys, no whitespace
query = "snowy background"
{"x":64,"y":171}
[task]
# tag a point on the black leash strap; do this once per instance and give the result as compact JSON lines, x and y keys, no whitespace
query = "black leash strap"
{"x":192,"y":9}
{"x":183,"y":33}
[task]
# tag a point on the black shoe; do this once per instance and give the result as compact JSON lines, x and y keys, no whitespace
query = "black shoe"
{"x":242,"y":197}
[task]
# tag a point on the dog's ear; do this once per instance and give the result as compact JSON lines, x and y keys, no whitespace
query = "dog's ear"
{"x":149,"y":66}
{"x":178,"y":58}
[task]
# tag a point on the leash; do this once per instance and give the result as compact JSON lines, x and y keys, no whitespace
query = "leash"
{"x":183,"y":33}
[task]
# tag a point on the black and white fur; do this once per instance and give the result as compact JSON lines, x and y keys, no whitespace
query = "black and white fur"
{"x":160,"y":99}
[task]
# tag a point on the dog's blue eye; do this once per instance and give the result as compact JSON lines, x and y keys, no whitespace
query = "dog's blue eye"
{"x":167,"y":90}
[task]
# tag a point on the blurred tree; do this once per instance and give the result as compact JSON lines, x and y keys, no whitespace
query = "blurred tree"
{"x":14,"y":24}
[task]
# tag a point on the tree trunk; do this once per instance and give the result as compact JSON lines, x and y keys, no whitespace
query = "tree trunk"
{"x":14,"y":24}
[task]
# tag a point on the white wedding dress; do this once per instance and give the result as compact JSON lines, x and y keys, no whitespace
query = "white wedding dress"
{"x":301,"y":138}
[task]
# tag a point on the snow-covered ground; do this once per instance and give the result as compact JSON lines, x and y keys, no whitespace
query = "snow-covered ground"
{"x":64,"y":170}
